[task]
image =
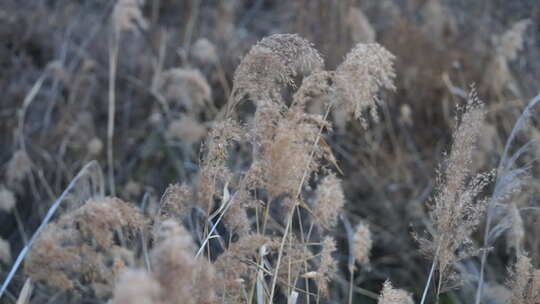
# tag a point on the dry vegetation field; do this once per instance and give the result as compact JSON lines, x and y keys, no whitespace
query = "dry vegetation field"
{"x":257,"y":151}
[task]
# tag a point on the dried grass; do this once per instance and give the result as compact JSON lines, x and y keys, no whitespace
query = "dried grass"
{"x":456,"y":211}
{"x":255,"y":216}
{"x":362,"y":243}
{"x":391,"y":295}
{"x":243,"y":205}
{"x":80,"y":249}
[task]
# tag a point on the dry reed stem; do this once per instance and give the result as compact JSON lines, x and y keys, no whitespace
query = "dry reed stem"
{"x":113,"y":61}
{"x":456,"y":212}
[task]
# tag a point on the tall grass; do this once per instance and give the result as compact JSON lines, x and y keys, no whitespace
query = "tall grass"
{"x":300,"y":181}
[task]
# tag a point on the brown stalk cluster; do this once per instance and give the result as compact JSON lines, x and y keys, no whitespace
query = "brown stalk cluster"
{"x":266,"y":198}
{"x":255,"y":217}
{"x":91,"y":245}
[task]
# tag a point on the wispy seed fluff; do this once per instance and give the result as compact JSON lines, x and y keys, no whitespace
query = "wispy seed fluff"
{"x":237,"y":265}
{"x":7,"y":199}
{"x":329,"y":201}
{"x":511,"y":41}
{"x":186,"y":129}
{"x":507,"y":46}
{"x":137,"y":287}
{"x":18,"y":167}
{"x":271,"y":64}
{"x":294,"y":51}
{"x":177,"y":276}
{"x":127,"y":16}
{"x":187,"y":88}
{"x":290,"y":153}
{"x":367,"y":68}
{"x":390,"y":295}
{"x":328,"y":266}
{"x":214,"y":173}
{"x":176,"y":201}
{"x":359,"y":26}
{"x":362,"y":243}
{"x":516,"y":234}
{"x":81,"y":246}
{"x":182,"y":277}
{"x":204,"y":51}
{"x":457,"y":211}
{"x":5,"y":251}
{"x":524,"y":282}
{"x":170,"y":228}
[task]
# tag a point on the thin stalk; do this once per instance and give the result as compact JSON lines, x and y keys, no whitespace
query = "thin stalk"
{"x":351,"y":278}
{"x":280,"y":255}
{"x":209,"y":235}
{"x":113,"y":61}
{"x":428,"y":283}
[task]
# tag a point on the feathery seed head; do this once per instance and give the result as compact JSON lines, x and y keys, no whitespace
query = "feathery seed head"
{"x":18,"y":167}
{"x":362,"y":243}
{"x":359,"y":26}
{"x":329,"y":200}
{"x":127,"y":16}
{"x":214,"y":173}
{"x":204,"y":51}
{"x":367,"y":68}
{"x":237,"y":264}
{"x":271,"y":65}
{"x":237,"y":219}
{"x":524,"y":282}
{"x":294,"y":52}
{"x":511,"y":42}
{"x":260,"y":75}
{"x":318,"y":85}
{"x":176,"y":201}
{"x":328,"y":266}
{"x":263,"y":130}
{"x":391,"y":295}
{"x":137,"y":287}
{"x":7,"y":199}
{"x":80,"y":247}
{"x":186,"y":87}
{"x":289,"y":155}
{"x":94,"y":146}
{"x":170,"y":228}
{"x":456,"y":211}
{"x":516,"y":234}
{"x":186,"y":129}
{"x":182,"y":277}
{"x":99,"y":219}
